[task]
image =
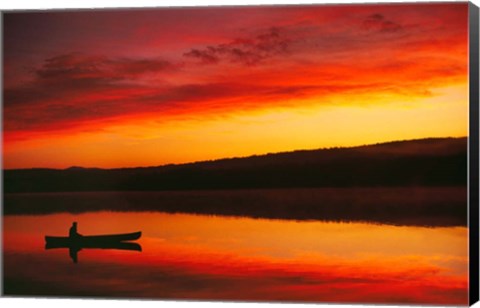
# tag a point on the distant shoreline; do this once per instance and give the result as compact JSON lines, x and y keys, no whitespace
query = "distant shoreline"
{"x":430,"y":162}
{"x":412,"y":206}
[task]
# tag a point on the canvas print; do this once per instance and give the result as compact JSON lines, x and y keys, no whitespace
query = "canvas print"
{"x":301,"y":153}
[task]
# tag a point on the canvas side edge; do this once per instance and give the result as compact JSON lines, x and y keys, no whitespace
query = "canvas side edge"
{"x":473,"y":152}
{"x":2,"y":41}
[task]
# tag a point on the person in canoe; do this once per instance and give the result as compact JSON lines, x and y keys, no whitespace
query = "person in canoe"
{"x":73,"y":231}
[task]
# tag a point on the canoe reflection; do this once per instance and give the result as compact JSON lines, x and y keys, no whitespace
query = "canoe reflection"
{"x":74,"y":248}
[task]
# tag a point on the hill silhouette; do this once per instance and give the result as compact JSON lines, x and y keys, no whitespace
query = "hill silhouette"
{"x":422,"y":162}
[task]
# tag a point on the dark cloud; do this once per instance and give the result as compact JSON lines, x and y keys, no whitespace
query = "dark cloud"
{"x":378,"y":23}
{"x":249,"y":51}
{"x":73,"y":74}
{"x":76,"y":66}
{"x":70,"y":66}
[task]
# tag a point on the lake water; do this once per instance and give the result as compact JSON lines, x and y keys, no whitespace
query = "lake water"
{"x":191,"y":256}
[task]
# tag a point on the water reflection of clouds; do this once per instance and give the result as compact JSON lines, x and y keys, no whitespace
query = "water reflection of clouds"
{"x":230,"y":277}
{"x":186,"y":256}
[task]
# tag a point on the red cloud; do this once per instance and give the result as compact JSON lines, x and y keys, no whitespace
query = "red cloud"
{"x":306,"y":54}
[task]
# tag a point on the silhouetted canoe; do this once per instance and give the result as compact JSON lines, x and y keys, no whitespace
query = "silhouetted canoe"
{"x":92,"y":240}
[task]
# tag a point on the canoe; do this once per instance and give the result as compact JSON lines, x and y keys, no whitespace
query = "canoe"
{"x":92,"y":239}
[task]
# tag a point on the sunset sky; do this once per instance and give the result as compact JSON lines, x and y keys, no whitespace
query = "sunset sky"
{"x":125,"y":88}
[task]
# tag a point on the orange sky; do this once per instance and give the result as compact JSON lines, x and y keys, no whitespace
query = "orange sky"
{"x":150,"y":87}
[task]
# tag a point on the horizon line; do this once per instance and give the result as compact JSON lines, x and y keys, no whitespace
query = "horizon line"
{"x":237,"y":157}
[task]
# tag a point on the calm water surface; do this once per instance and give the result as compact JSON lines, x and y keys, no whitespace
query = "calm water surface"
{"x":187,"y":256}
